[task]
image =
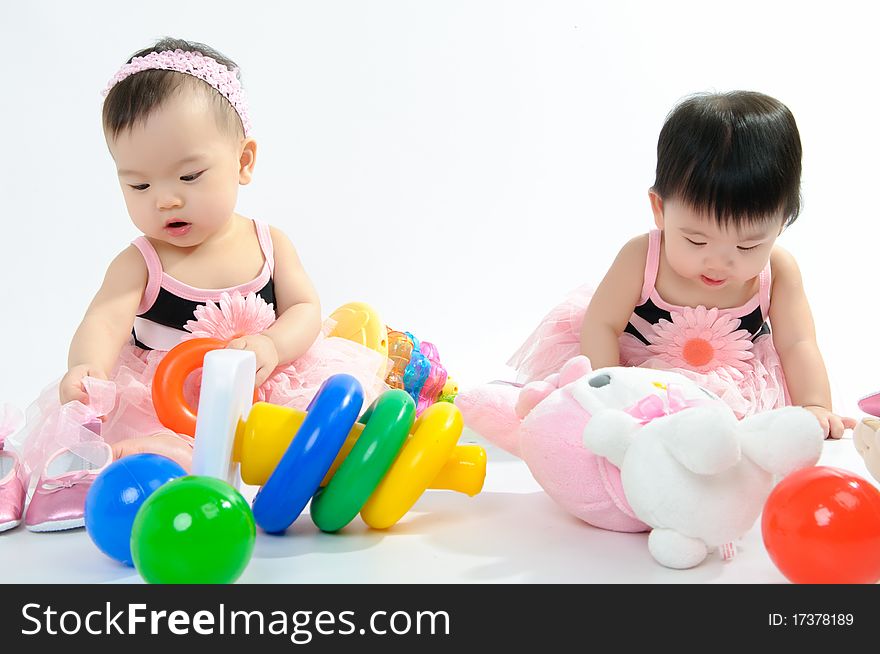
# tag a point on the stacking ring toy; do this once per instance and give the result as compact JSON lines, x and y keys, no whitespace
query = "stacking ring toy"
{"x":388,"y":422}
{"x":263,"y":438}
{"x":269,"y":429}
{"x":172,"y":408}
{"x":298,"y":475}
{"x":464,"y":472}
{"x":420,"y":460}
{"x":292,"y":454}
{"x":228,"y":378}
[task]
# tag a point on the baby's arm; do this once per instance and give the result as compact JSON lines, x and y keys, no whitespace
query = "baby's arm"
{"x":298,"y":310}
{"x":613,"y":304}
{"x":106,"y":326}
{"x":794,"y":336}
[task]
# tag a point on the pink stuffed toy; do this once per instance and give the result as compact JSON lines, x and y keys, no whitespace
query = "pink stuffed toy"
{"x":637,"y":449}
{"x":545,"y":428}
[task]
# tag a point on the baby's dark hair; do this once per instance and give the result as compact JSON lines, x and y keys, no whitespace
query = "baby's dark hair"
{"x":735,"y":156}
{"x":133,"y":99}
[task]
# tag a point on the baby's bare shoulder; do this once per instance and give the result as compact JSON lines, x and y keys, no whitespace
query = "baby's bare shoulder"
{"x":783,"y":266}
{"x":633,"y":253}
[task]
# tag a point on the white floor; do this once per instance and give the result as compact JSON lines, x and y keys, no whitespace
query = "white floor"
{"x":511,"y":533}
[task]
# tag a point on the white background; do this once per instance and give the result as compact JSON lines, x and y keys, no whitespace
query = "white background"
{"x":460,"y":165}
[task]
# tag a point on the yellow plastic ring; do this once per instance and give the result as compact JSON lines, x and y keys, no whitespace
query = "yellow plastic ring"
{"x":421,"y":459}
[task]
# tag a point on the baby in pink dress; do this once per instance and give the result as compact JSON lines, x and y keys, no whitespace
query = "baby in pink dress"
{"x":177,"y":126}
{"x":708,"y":293}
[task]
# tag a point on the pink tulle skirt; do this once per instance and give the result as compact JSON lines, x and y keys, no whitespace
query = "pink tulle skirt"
{"x":557,"y":339}
{"x":124,"y":405}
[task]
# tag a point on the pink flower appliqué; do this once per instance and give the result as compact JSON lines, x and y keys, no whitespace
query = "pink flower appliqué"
{"x":235,"y":316}
{"x":700,"y":339}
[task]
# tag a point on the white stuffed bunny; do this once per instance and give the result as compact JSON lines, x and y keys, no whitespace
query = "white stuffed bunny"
{"x":689,"y":469}
{"x":631,"y":449}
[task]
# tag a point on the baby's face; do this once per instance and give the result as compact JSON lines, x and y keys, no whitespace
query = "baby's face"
{"x":698,"y":249}
{"x":179,"y":172}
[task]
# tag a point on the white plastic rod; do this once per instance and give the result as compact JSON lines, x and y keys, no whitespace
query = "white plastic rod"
{"x":226,"y":396}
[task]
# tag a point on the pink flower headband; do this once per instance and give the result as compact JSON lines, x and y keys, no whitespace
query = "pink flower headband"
{"x":198,"y":65}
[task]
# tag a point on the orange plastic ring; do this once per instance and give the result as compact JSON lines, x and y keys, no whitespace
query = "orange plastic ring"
{"x":171,"y":406}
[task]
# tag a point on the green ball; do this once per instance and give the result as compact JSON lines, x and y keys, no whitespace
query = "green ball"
{"x":193,"y":530}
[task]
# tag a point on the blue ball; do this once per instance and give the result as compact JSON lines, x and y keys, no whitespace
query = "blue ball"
{"x":116,"y":495}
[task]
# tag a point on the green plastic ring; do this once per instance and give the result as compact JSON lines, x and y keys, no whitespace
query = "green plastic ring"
{"x":387,"y":424}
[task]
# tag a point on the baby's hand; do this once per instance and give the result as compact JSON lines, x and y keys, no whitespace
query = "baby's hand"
{"x":71,"y":388}
{"x":832,"y":424}
{"x":166,"y":443}
{"x":264,"y":348}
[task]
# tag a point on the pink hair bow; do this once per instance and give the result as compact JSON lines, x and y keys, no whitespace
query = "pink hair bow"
{"x":653,"y":406}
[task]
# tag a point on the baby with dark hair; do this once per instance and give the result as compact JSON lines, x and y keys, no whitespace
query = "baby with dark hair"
{"x":177,"y":125}
{"x":700,"y":293}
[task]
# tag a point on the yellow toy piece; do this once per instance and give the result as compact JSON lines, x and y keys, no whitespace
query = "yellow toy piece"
{"x":464,"y":472}
{"x":451,"y":387}
{"x":359,"y":322}
{"x":262,"y":440}
{"x":425,"y":454}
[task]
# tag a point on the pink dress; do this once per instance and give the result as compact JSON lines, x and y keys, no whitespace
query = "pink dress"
{"x":728,"y":351}
{"x":170,"y":312}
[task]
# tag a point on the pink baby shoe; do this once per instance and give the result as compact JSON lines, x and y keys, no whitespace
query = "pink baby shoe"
{"x":11,"y":489}
{"x":12,"y":475}
{"x":59,"y":499}
{"x":871,"y":404}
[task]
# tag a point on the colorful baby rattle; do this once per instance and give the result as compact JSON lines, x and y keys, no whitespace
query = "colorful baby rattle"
{"x":417,"y":368}
{"x":416,"y":364}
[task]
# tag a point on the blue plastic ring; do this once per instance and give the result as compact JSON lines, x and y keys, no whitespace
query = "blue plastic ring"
{"x":298,"y":475}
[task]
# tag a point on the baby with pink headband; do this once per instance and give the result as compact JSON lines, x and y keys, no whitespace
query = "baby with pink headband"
{"x":177,"y":125}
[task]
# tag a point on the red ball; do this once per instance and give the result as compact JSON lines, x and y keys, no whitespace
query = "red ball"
{"x":821,"y":525}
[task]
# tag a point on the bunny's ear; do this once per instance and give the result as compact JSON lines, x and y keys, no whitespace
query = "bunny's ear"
{"x":531,"y":395}
{"x":574,"y":369}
